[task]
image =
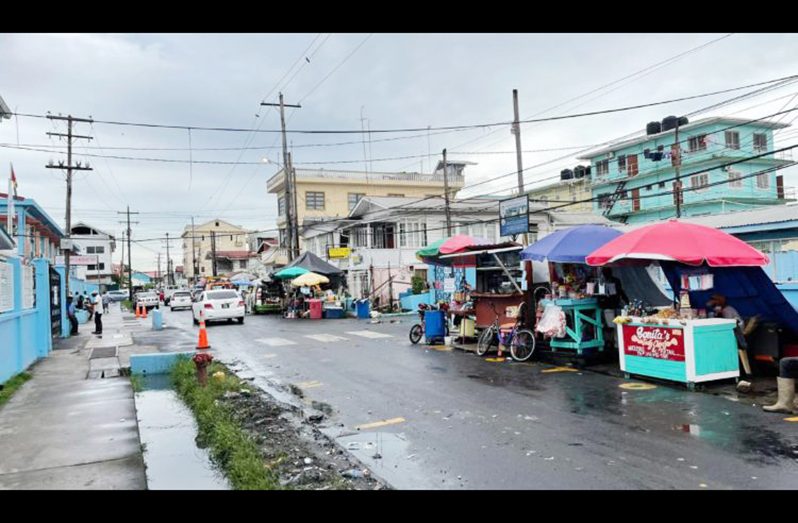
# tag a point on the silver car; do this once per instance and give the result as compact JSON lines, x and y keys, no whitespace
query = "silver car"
{"x":180,"y":300}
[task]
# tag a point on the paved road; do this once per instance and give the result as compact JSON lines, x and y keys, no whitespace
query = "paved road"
{"x":449,"y":419}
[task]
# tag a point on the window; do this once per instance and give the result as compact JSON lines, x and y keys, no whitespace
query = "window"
{"x":353,"y":198}
{"x":622,"y":163}
{"x":661,"y":185}
{"x":631,"y":164}
{"x":763,"y":181}
{"x":735,"y":179}
{"x":760,"y":142}
{"x":604,"y":200}
{"x":242,"y":264}
{"x":392,"y":195}
{"x":699,"y":181}
{"x":635,"y":199}
{"x":412,"y":234}
{"x":90,"y":268}
{"x":314,"y":200}
{"x":732,"y":139}
{"x":602,"y":168}
{"x":281,"y":205}
{"x":697,"y":143}
{"x":202,"y":269}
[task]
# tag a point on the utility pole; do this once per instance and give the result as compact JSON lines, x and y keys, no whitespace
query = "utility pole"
{"x":516,"y":129}
{"x":290,"y":197}
{"x":169,"y":279}
{"x":213,"y":251}
{"x":677,"y":185}
{"x":129,"y":257}
{"x":122,"y":262}
{"x":69,"y":168}
{"x":446,"y":194}
{"x":194,"y":264}
{"x":158,"y":271}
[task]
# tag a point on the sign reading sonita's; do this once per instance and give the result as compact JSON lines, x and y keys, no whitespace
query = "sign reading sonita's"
{"x":654,"y":342}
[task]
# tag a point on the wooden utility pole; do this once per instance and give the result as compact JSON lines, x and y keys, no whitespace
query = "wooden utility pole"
{"x":122,"y":262}
{"x":446,"y":194}
{"x":677,"y":185}
{"x":158,"y":272}
{"x":169,"y":279}
{"x":213,"y":251}
{"x":516,"y":129}
{"x":292,"y":242}
{"x":194,"y":253}
{"x":69,"y":168}
{"x":129,"y":257}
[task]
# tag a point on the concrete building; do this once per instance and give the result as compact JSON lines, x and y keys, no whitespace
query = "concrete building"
{"x":565,"y":190}
{"x":92,"y":242}
{"x":633,"y":180}
{"x":231,"y":247}
{"x":323,"y":194}
{"x":41,"y":235}
{"x":381,"y":236}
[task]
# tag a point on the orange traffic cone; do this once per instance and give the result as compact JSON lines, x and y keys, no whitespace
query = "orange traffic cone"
{"x":144,"y":311}
{"x":203,"y":335}
{"x":138,"y":310}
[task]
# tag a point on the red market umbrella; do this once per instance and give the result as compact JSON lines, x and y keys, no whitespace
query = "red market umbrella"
{"x":681,"y":242}
{"x":459,"y":243}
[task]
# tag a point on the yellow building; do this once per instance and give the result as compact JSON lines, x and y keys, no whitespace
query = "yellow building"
{"x":323,"y":194}
{"x":231,"y":246}
{"x":564,"y":191}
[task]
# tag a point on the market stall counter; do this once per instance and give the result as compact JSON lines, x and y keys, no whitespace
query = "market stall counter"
{"x":485,"y":302}
{"x":583,"y":329}
{"x":689,"y":351}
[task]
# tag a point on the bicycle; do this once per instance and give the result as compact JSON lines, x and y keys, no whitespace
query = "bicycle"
{"x":520,"y":341}
{"x":417,"y":330}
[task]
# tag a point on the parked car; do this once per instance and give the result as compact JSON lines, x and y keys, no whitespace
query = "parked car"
{"x":118,"y":295}
{"x":180,"y":300}
{"x":147,"y":299}
{"x":225,"y":304}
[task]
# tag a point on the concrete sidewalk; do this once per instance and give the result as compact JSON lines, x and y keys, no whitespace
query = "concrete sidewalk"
{"x":62,"y":430}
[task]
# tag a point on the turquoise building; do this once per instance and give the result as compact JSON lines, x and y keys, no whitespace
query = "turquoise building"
{"x":632,"y":181}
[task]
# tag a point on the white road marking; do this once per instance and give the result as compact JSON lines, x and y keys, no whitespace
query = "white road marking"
{"x":325,"y":338}
{"x":275,"y":342}
{"x":369,"y":334}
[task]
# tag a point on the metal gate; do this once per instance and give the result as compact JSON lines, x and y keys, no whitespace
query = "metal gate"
{"x":55,"y":302}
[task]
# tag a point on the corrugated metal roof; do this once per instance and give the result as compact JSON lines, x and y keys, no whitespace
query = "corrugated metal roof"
{"x":771,"y":214}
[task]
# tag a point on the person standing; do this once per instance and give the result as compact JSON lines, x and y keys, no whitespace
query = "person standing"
{"x":97,"y":305}
{"x":88,"y":303}
{"x":106,"y":302}
{"x":73,"y":319}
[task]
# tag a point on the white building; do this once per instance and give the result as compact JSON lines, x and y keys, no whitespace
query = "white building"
{"x":384,"y":233}
{"x":93,"y":242}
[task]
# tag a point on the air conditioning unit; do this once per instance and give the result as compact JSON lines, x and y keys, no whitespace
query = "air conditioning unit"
{"x":66,"y":244}
{"x":611,"y":155}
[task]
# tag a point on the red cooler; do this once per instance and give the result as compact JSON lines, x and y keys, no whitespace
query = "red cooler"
{"x":315,"y":309}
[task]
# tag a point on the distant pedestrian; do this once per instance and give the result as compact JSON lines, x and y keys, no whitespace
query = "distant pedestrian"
{"x":73,"y":319}
{"x":79,"y":298}
{"x":97,"y":305}
{"x":106,"y":302}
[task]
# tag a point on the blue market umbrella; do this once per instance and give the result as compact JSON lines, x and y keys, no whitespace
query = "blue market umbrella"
{"x":570,"y":245}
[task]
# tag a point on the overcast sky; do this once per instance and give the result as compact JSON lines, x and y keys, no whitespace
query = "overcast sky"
{"x":390,"y":80}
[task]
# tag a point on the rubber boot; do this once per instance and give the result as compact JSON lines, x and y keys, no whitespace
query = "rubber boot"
{"x":786,"y":396}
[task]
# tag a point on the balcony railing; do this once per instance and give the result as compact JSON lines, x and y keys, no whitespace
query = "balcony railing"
{"x":455,"y":180}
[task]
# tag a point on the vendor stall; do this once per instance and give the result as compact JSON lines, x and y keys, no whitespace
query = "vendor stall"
{"x":682,"y":343}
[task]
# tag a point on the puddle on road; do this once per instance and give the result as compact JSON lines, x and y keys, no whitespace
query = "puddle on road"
{"x":168,"y":433}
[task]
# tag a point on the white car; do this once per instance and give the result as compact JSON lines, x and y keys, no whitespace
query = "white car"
{"x":180,"y":299}
{"x":147,"y":299}
{"x":222,"y":304}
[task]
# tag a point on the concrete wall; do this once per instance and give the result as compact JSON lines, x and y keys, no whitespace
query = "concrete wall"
{"x":25,"y":333}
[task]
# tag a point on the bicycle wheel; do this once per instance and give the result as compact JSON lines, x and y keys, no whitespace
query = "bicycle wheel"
{"x":415,"y":333}
{"x":486,"y":339}
{"x":523,"y":345}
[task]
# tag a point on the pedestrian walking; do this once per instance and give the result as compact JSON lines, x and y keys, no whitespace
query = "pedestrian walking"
{"x":106,"y":302}
{"x":97,"y":305}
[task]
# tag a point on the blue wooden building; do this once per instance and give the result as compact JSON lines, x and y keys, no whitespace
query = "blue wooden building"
{"x":632,"y":181}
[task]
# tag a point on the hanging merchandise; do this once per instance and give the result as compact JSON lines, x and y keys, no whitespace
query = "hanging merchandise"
{"x":552,"y":323}
{"x":684,"y":300}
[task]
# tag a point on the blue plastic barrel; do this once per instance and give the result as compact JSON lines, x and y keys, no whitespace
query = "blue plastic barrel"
{"x":363,"y":309}
{"x":157,"y":319}
{"x":433,"y":324}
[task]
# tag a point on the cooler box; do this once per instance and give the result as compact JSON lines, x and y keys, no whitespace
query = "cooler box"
{"x":433,"y":324}
{"x":334,"y":313}
{"x":315,"y":309}
{"x":157,"y":320}
{"x":363,"y":309}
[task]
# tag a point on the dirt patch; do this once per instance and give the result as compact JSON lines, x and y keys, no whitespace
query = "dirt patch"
{"x":302,"y":457}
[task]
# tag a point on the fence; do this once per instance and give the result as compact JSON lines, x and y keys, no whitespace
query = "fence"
{"x":25,"y":322}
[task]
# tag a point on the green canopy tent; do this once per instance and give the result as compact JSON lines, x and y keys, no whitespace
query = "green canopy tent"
{"x":289,"y":273}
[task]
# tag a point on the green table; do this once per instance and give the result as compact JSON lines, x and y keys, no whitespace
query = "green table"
{"x":578,"y":313}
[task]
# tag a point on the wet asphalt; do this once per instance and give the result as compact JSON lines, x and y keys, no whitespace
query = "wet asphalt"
{"x":457,"y":421}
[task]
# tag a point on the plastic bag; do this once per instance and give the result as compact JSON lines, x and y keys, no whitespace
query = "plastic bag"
{"x":552,"y":323}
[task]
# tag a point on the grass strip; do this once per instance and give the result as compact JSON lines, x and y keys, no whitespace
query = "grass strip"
{"x":8,"y":388}
{"x":231,"y":448}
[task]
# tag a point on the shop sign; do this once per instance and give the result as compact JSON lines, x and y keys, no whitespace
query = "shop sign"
{"x":338,"y":252}
{"x":514,"y":216}
{"x":653,"y":342}
{"x":77,"y":260}
{"x":448,"y":285}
